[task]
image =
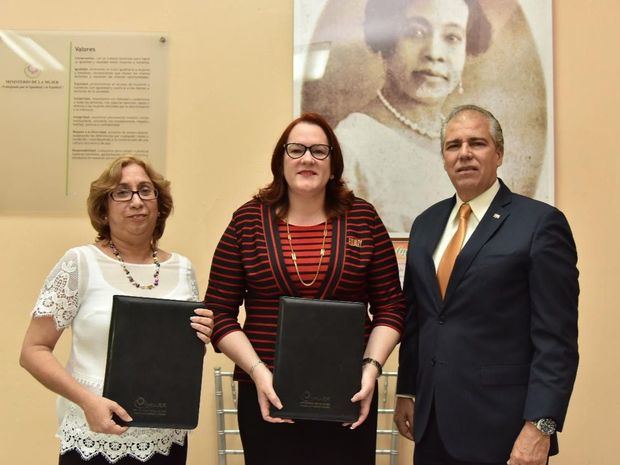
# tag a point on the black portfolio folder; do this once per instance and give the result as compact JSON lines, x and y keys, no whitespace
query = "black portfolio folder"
{"x":318,"y":363}
{"x":154,"y":364}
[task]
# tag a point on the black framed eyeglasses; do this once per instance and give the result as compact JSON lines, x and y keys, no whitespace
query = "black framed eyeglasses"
{"x":318,"y":151}
{"x":125,"y":195}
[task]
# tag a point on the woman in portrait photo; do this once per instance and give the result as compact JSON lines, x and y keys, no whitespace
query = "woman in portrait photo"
{"x":390,"y":135}
{"x":391,"y":143}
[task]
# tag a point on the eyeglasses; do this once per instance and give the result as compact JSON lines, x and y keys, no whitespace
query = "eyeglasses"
{"x":125,"y":195}
{"x":318,"y":151}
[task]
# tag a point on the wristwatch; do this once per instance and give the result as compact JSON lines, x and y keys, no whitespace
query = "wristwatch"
{"x":546,"y":426}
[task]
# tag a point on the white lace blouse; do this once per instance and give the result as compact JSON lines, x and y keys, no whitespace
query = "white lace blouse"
{"x":78,"y":294}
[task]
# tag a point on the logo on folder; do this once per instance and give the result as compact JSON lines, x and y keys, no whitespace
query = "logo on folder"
{"x":311,"y":401}
{"x":152,"y":409}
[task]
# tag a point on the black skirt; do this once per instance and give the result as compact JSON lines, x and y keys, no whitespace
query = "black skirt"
{"x":304,"y":442}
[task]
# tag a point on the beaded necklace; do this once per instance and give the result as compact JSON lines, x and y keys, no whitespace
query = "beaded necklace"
{"x":423,"y":131}
{"x":294,"y":256}
{"x":128,"y":274}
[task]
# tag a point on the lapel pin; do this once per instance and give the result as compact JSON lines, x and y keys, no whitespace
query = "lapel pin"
{"x":355,"y":242}
{"x":496,"y":216}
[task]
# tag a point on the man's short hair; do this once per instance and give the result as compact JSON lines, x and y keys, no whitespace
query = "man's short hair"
{"x":494,"y":127}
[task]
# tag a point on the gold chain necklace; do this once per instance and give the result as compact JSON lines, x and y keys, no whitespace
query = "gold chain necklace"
{"x":294,"y":256}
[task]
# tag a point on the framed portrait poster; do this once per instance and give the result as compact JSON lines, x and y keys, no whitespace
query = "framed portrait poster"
{"x":386,"y":72}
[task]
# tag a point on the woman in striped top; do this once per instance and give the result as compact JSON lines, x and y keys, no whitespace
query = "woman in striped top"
{"x":304,"y":235}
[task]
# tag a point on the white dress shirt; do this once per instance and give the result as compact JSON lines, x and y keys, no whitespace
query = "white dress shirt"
{"x":479,"y":207}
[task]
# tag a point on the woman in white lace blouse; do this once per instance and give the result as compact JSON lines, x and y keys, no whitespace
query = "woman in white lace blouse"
{"x":128,"y":206}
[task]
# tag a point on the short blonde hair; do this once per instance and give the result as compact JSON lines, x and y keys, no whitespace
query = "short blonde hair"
{"x":101,"y":188}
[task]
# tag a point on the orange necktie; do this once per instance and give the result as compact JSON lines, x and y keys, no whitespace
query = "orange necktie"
{"x":454,"y":248}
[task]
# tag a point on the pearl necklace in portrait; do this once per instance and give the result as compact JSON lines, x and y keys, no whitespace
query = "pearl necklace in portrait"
{"x":426,"y":132}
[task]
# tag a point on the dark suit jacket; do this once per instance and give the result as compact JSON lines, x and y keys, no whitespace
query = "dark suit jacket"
{"x":502,"y":347}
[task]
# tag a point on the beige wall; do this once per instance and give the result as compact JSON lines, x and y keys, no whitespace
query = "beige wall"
{"x":230,"y":95}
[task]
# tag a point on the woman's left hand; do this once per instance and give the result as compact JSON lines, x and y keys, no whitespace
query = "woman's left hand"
{"x":364,"y":395}
{"x":202,"y":322}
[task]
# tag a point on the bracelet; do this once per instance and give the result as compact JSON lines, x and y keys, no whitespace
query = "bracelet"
{"x":373,"y":362}
{"x":258,"y":362}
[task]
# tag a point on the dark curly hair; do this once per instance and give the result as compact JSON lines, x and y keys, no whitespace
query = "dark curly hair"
{"x":384,"y":17}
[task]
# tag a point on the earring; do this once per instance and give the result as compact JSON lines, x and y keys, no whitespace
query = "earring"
{"x":331,"y":177}
{"x":460,"y":88}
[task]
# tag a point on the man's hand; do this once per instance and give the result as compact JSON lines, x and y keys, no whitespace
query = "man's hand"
{"x":403,"y":416}
{"x":531,"y":447}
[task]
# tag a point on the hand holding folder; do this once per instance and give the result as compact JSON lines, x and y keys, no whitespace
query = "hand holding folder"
{"x":318,"y":364}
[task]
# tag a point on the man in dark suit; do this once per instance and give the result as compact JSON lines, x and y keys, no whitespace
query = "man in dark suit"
{"x":489,"y":355}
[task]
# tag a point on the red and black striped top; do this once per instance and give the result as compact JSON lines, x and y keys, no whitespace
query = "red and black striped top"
{"x":252,"y":266}
{"x":306,"y":242}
